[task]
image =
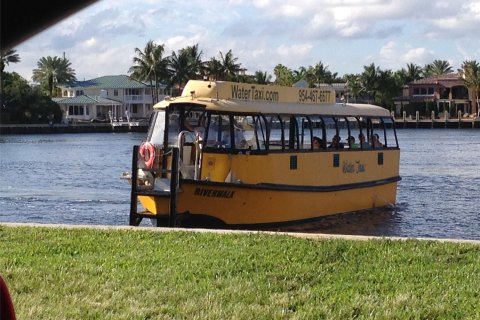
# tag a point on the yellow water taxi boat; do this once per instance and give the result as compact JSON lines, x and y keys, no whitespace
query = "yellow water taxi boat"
{"x":239,"y":155}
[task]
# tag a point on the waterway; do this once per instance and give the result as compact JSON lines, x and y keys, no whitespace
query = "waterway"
{"x":75,"y":179}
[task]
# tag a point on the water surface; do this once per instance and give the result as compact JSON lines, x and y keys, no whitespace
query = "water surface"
{"x":74,"y":179}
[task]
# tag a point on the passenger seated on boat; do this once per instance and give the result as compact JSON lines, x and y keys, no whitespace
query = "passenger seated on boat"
{"x":351,"y":143}
{"x":240,"y":141}
{"x":316,"y":143}
{"x":212,"y":137}
{"x":336,"y":144}
{"x":363,"y":144}
{"x":376,"y":141}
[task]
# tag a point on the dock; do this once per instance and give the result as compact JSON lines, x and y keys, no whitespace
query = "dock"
{"x":459,"y":123}
{"x":71,"y":128}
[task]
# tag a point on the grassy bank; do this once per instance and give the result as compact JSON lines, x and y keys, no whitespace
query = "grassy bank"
{"x":129,"y":274}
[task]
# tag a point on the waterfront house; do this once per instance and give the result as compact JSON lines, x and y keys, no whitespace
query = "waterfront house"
{"x":442,"y":96}
{"x":107,"y":98}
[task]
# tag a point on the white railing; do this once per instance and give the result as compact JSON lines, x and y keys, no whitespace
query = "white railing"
{"x":129,"y":98}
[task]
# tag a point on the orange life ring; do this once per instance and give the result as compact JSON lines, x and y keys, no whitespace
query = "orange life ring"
{"x":147,"y":152}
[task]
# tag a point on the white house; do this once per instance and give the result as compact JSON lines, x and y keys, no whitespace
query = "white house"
{"x":110,"y":98}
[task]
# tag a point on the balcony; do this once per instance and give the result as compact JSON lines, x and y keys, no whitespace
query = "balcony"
{"x":134,"y":98}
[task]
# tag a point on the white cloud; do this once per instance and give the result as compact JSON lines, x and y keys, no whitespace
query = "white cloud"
{"x":420,"y":56}
{"x":296,"y":50}
{"x":263,"y":33}
{"x":388,"y":51}
{"x":291,"y":10}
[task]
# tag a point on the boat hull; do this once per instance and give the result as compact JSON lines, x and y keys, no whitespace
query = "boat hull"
{"x":243,"y":205}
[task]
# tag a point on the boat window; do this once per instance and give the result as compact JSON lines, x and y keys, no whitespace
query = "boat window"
{"x":376,"y":136}
{"x":353,"y":140}
{"x":261,"y":133}
{"x":304,"y":126}
{"x":218,"y":131}
{"x":243,"y":128}
{"x":365,"y":127}
{"x":331,"y":131}
{"x":275,"y":132}
{"x":390,"y":134}
{"x":318,"y":131}
{"x":343,"y":132}
{"x":158,"y":129}
{"x":193,"y":121}
{"x":173,"y":127}
{"x":291,"y":132}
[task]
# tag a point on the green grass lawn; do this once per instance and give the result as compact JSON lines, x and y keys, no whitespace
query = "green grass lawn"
{"x":55,"y":273}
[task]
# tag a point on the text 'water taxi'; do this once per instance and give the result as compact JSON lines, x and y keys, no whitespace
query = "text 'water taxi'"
{"x":241,"y":155}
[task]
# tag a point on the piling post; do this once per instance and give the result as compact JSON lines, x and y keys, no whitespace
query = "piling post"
{"x":174,"y":177}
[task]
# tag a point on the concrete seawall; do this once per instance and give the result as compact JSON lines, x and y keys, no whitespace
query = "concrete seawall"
{"x":62,"y":128}
{"x":437,"y":124}
{"x":316,"y":236}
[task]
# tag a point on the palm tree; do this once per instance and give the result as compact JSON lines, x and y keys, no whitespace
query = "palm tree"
{"x":354,"y":86}
{"x":10,"y":56}
{"x":151,"y":66}
{"x":197,"y":66}
{"x":437,"y":68}
{"x":319,"y":74}
{"x":261,"y":77}
{"x":369,"y":80}
{"x":214,"y":69}
{"x":300,"y":74}
{"x":387,"y":88}
{"x":471,"y":72}
{"x":230,"y":65}
{"x":53,"y":71}
{"x":179,"y":68}
{"x":283,"y":75}
{"x":414,"y":72}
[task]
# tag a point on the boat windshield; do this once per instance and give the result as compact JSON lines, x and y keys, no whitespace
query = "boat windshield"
{"x":158,"y":128}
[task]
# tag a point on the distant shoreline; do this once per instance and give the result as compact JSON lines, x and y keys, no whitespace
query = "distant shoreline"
{"x":107,"y":127}
{"x":71,"y":128}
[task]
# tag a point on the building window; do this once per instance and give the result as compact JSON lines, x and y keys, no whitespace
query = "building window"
{"x":79,"y":93}
{"x":416,"y":91}
{"x":87,"y":110}
{"x":423,"y":91}
{"x":133,"y":92}
{"x":430,"y":90}
{"x":115,"y":92}
{"x":134,"y":108}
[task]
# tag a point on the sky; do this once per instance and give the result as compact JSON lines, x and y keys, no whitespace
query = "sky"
{"x":344,"y":35}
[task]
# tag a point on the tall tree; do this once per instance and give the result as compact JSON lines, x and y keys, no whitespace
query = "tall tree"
{"x":179,"y":68}
{"x":437,"y":68}
{"x":230,"y":65}
{"x":150,"y":66}
{"x":369,"y":79}
{"x":213,"y":69}
{"x":300,"y":74}
{"x":354,"y":86}
{"x":471,"y":72}
{"x":414,"y":72}
{"x":319,"y":73}
{"x":262,"y":77}
{"x":387,"y":88}
{"x":10,"y":56}
{"x":283,"y":75}
{"x":184,"y":65}
{"x":196,"y":65}
{"x":52,"y":71}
